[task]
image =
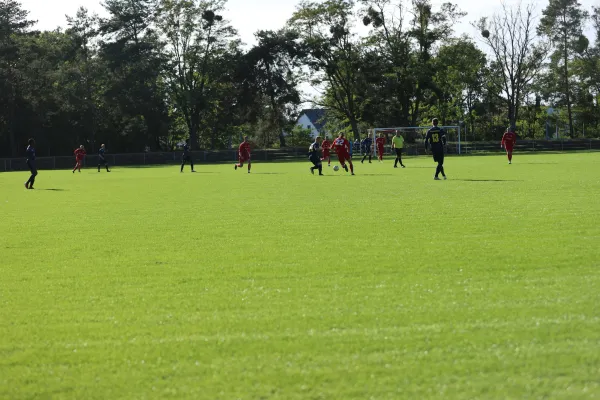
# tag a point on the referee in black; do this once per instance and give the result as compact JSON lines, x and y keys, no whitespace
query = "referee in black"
{"x":187,"y":156}
{"x":314,"y":155}
{"x":436,"y":138}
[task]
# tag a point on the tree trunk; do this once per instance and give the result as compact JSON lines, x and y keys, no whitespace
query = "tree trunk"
{"x":568,"y":89}
{"x":354,"y":125}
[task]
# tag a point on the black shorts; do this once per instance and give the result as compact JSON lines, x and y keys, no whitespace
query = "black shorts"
{"x":438,"y":157}
{"x":316,"y":161}
{"x":187,"y":158}
{"x":398,"y":152}
{"x":101,"y":161}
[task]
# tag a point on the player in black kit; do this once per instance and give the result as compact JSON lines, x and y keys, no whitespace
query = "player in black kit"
{"x":314,"y":155}
{"x":31,"y":164}
{"x":436,"y":138}
{"x":186,"y":156}
{"x":102,"y":158}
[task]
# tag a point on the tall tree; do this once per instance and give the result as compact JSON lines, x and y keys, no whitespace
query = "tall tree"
{"x":334,"y":55}
{"x":196,"y":35}
{"x":13,"y":25}
{"x":518,"y":55}
{"x":562,"y":23}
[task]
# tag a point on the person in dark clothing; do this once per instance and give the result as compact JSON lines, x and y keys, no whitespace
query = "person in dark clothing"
{"x":187,"y":156}
{"x":102,"y":158}
{"x":436,"y":139}
{"x":31,"y":164}
{"x":314,"y":155}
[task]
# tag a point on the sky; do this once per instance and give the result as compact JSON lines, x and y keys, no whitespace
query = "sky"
{"x":249,"y":16}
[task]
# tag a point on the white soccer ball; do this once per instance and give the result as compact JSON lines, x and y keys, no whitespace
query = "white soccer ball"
{"x":336,"y":167}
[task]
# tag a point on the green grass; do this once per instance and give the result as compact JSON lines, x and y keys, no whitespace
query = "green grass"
{"x":147,"y":283}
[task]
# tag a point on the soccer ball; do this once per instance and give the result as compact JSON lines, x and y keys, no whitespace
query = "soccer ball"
{"x":485,"y":33}
{"x":336,"y":168}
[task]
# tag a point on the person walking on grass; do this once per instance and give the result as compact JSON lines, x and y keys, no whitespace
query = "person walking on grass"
{"x":31,"y":164}
{"x":187,"y":157}
{"x":79,"y":155}
{"x":436,"y":139}
{"x":102,"y":158}
{"x":398,"y":146}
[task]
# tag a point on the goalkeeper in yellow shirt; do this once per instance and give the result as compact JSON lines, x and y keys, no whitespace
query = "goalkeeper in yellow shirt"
{"x":398,"y":145}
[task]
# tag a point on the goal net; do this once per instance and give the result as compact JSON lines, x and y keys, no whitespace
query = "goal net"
{"x":414,"y":139}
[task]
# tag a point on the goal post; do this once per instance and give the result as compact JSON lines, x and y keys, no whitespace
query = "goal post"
{"x":419,"y":132}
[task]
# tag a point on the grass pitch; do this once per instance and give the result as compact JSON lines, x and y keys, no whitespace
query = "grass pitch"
{"x":147,"y":283}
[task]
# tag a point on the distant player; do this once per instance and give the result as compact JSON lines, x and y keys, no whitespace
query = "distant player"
{"x":102,"y":158}
{"x":380,"y":142}
{"x":31,"y":164}
{"x":341,"y":147}
{"x":244,"y":154}
{"x":436,"y":139}
{"x":326,"y":147}
{"x":350,"y":148}
{"x":398,"y":146}
{"x":314,"y":155}
{"x":79,"y":156}
{"x":187,"y":156}
{"x":367,"y":148}
{"x":508,"y":142}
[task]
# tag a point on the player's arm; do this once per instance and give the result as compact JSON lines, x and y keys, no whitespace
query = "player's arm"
{"x":427,"y":139}
{"x":443,"y":134}
{"x":503,"y":141}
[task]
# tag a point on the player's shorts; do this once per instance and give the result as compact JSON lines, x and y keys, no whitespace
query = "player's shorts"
{"x":398,"y":151}
{"x":32,"y":167}
{"x":187,"y":158}
{"x":509,"y":148}
{"x":101,"y":161}
{"x":326,"y":153}
{"x":315,"y":160}
{"x":244,"y":160}
{"x":438,"y":157}
{"x":343,"y":157}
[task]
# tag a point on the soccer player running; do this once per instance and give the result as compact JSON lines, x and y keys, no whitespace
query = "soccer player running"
{"x":341,"y":147}
{"x":398,"y":145}
{"x":186,"y":156}
{"x":244,"y":154}
{"x":436,"y":138}
{"x":380,"y":142}
{"x":326,"y":147}
{"x":508,"y":142}
{"x":314,"y":155}
{"x":102,"y":158}
{"x":31,"y":163}
{"x":79,"y":155}
{"x":367,"y":148}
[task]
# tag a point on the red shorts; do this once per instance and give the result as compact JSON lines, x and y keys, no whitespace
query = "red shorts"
{"x":509,"y":148}
{"x":79,"y":160}
{"x":343,"y":157}
{"x":244,"y":160}
{"x":325,"y":153}
{"x":380,"y":150}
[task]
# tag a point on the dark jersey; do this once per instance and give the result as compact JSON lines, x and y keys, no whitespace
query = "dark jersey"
{"x":101,"y":153}
{"x":366,"y":144}
{"x":436,"y":139}
{"x":186,"y":150}
{"x":30,"y":153}
{"x":314,"y":151}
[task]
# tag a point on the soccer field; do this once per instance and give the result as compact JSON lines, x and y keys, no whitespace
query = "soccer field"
{"x":147,"y":283}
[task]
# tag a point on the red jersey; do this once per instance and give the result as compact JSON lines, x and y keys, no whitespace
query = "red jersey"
{"x":244,"y":150}
{"x":325,"y":144}
{"x":341,"y":145}
{"x":79,"y":154}
{"x":380,"y":142}
{"x":509,"y":139}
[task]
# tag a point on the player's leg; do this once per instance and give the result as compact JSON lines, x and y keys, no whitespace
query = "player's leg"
{"x":31,"y":179}
{"x":182,"y":164}
{"x":441,"y":163}
{"x":509,"y":152}
{"x":351,"y":166}
{"x":79,"y":165}
{"x":399,"y":153}
{"x":249,"y":165}
{"x":396,"y":160}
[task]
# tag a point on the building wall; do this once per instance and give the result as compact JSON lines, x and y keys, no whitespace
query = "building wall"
{"x":305,"y":123}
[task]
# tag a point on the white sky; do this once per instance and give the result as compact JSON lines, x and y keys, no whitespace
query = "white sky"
{"x":249,"y":16}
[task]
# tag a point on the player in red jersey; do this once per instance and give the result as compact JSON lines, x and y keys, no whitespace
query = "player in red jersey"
{"x":508,"y":142}
{"x":342,"y":147}
{"x":244,"y":154}
{"x":79,"y":155}
{"x":380,"y":142}
{"x":326,"y":146}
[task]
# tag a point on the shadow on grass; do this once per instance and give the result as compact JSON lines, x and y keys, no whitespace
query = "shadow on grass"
{"x":54,"y":190}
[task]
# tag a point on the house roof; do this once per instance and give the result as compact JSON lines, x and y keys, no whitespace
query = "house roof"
{"x":317,"y":116}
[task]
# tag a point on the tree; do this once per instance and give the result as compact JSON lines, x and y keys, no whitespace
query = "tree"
{"x":517,"y":53}
{"x":13,"y":25}
{"x":334,"y":56}
{"x":195,"y":36}
{"x":563,"y":23}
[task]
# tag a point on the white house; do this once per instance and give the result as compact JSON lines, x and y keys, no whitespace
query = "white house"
{"x":313,"y":119}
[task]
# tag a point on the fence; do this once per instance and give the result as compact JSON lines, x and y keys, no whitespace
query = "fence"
{"x":288,"y":154}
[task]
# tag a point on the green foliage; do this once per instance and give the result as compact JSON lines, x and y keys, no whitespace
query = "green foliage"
{"x":299,"y":137}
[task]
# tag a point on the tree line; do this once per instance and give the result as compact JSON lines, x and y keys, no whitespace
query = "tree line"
{"x":154,"y":73}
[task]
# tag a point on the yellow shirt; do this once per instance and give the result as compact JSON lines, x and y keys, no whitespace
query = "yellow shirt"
{"x":398,"y":142}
